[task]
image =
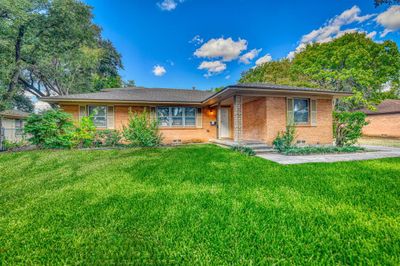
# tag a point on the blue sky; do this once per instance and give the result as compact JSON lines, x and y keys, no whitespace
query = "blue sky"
{"x":157,"y":37}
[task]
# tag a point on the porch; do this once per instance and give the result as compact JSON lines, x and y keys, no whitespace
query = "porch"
{"x":257,"y":146}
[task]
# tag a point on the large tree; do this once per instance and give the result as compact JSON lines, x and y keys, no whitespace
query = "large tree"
{"x":381,"y":2}
{"x":352,"y":62}
{"x":52,"y":47}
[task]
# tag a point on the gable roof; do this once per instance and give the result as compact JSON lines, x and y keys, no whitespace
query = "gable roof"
{"x":166,"y":95}
{"x":14,"y":114}
{"x":385,"y":107}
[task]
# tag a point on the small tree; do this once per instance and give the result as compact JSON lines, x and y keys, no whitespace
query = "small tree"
{"x":50,"y":129}
{"x":84,"y":134}
{"x":347,"y":127}
{"x":142,"y":130}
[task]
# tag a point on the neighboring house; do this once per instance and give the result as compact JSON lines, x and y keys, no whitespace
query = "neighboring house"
{"x":239,"y":112}
{"x":385,"y":121}
{"x":12,"y":124}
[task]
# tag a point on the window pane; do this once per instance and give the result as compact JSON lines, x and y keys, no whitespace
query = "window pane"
{"x":301,"y":110}
{"x":99,"y":121}
{"x":190,"y":111}
{"x":177,"y":121}
{"x":97,"y":110}
{"x":99,"y":114}
{"x":190,"y":121}
{"x":163,"y":111}
{"x":163,"y":121}
{"x":177,"y":111}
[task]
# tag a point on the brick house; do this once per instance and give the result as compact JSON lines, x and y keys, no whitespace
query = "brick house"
{"x":385,"y":121}
{"x":254,"y":112}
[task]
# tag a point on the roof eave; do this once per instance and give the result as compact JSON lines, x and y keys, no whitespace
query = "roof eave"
{"x":69,"y":100}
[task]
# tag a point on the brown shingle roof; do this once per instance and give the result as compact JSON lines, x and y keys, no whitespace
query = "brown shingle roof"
{"x":385,"y":107}
{"x":163,"y":95}
{"x":139,"y":95}
{"x":14,"y":114}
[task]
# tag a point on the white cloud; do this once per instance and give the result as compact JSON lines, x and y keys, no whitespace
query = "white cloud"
{"x":38,"y":105}
{"x":169,"y":5}
{"x":371,"y":35}
{"x":333,"y":26}
{"x":212,"y":67}
{"x":298,"y":49}
{"x":159,"y":70}
{"x":197,"y":40}
{"x":247,"y":57}
{"x":390,"y":20}
{"x":228,"y":77}
{"x":265,"y":59}
{"x":226,"y":49}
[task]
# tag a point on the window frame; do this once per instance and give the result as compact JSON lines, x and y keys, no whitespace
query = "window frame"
{"x":170,"y":117}
{"x":105,"y":114}
{"x":308,"y":111}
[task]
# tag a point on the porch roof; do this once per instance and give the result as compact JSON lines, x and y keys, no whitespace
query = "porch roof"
{"x":265,"y":89}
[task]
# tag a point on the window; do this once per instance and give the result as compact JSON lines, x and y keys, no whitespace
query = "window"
{"x":18,"y":126}
{"x":176,"y":116}
{"x":301,"y":111}
{"x":99,"y":115}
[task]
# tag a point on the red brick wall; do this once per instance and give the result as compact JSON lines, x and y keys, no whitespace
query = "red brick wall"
{"x":319,"y":134}
{"x":185,"y":135}
{"x":384,"y":125}
{"x":254,"y":120}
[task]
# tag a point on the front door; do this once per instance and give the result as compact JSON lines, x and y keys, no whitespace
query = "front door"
{"x":224,"y":128}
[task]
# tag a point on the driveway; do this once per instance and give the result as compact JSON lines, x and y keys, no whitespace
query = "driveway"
{"x":375,"y":152}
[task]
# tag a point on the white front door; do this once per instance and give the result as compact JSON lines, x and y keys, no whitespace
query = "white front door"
{"x":224,"y":128}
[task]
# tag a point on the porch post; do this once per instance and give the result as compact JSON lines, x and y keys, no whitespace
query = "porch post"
{"x":218,"y":120}
{"x":237,"y":118}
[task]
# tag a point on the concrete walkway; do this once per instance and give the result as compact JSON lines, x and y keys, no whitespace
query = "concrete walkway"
{"x":376,"y":152}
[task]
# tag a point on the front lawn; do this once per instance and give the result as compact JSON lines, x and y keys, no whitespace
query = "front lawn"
{"x":195,"y":204}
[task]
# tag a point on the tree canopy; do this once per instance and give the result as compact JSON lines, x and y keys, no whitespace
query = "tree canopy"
{"x":52,"y":47}
{"x":352,"y":62}
{"x":381,"y":2}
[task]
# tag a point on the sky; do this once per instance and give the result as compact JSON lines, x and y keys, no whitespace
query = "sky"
{"x":209,"y":43}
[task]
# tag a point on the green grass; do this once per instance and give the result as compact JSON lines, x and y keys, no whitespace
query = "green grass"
{"x":195,"y":205}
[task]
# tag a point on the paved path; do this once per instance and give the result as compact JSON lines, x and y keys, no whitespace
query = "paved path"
{"x":377,"y":152}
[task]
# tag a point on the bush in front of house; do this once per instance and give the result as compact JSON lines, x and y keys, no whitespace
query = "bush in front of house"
{"x":142,"y":130}
{"x":84,"y":134}
{"x":244,"y":149}
{"x":285,"y":139}
{"x":108,"y":138}
{"x":52,"y":129}
{"x":321,"y":150}
{"x":347,"y":127}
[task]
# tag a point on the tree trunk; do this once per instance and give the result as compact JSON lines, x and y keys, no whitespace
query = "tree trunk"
{"x":16,"y":72}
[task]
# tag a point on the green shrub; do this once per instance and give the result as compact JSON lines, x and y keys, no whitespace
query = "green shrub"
{"x":108,"y":138}
{"x":285,"y":140}
{"x":244,"y":149}
{"x":50,"y":129}
{"x":142,"y":130}
{"x":347,"y":127}
{"x":321,"y":150}
{"x":84,"y":134}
